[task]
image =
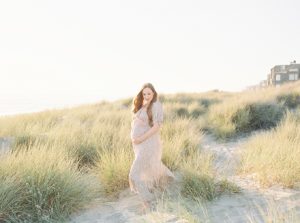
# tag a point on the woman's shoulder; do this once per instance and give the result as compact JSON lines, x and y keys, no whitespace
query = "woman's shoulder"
{"x":157,"y":103}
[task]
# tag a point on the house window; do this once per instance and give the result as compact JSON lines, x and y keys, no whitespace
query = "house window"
{"x":291,"y":77}
{"x":277,"y":77}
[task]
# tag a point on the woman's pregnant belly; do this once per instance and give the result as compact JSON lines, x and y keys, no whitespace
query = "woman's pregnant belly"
{"x":138,"y":128}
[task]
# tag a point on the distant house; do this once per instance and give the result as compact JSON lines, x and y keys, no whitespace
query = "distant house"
{"x":283,"y":73}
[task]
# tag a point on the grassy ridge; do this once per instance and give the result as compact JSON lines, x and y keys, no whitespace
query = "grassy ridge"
{"x":251,"y":110}
{"x":61,"y":159}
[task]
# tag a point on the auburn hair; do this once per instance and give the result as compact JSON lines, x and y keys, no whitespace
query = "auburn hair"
{"x":137,"y":102}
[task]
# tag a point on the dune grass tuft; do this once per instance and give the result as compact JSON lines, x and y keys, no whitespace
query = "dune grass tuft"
{"x":113,"y":170}
{"x":273,"y":155}
{"x":42,"y":185}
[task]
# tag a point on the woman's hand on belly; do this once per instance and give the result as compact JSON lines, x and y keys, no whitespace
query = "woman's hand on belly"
{"x":136,"y":140}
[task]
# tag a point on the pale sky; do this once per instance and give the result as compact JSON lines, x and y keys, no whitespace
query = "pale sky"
{"x":57,"y":53}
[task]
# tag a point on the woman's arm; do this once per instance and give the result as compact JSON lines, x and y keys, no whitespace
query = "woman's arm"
{"x":157,"y":113}
{"x":147,"y":135}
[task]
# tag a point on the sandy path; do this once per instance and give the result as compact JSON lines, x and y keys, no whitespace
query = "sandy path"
{"x":239,"y":207}
{"x":126,"y":208}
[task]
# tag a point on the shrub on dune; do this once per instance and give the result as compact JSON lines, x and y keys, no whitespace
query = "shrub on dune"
{"x":231,"y":118}
{"x":290,"y":100}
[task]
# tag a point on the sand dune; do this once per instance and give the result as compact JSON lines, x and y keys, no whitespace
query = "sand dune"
{"x":246,"y":206}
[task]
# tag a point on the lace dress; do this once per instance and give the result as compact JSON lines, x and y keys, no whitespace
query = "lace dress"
{"x":147,"y":170}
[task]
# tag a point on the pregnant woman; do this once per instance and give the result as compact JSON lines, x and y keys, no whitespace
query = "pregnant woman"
{"x":147,"y":170}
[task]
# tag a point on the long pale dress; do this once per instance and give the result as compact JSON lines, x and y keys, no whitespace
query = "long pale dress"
{"x":147,"y":169}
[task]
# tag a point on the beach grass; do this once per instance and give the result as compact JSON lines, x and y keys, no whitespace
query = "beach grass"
{"x":273,"y":155}
{"x":90,"y":140}
{"x":62,"y":159}
{"x":43,"y":185}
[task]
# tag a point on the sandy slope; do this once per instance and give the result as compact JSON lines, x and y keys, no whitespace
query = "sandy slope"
{"x":253,"y":199}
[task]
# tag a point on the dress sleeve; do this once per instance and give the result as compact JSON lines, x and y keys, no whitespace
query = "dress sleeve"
{"x":157,"y":112}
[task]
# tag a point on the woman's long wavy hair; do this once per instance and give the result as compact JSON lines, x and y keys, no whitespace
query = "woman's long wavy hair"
{"x":138,"y":102}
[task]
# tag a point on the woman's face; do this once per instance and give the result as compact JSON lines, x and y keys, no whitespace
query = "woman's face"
{"x":147,"y":95}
